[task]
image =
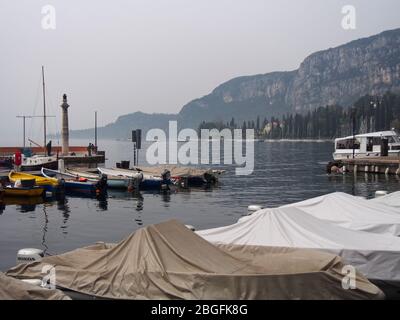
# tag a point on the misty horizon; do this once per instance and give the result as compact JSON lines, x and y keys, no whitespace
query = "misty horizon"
{"x":156,"y":57}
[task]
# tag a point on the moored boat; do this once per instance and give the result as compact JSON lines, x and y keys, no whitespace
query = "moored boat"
{"x":146,"y":181}
{"x":48,"y":183}
{"x":78,"y":185}
{"x":185,"y":176}
{"x":37,"y":162}
{"x":34,"y":191}
{"x":113,"y":182}
{"x":250,"y":272}
{"x":368,"y":145}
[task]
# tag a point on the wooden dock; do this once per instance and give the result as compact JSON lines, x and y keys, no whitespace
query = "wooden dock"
{"x":379,"y":165}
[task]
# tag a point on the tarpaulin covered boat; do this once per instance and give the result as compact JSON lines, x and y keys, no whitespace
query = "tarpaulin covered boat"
{"x":146,"y":181}
{"x":14,"y":289}
{"x":390,"y":200}
{"x":193,"y":176}
{"x":168,"y":261}
{"x":352,"y":212}
{"x":375,"y":255}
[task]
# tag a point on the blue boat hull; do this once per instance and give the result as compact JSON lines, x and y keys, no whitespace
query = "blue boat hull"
{"x":150,"y":184}
{"x":80,"y":187}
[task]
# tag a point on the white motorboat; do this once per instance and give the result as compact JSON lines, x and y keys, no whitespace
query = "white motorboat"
{"x":367,"y":145}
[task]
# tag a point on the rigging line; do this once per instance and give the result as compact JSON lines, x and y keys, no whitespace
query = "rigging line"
{"x":35,"y":105}
{"x":54,"y":111}
{"x":51,"y":106}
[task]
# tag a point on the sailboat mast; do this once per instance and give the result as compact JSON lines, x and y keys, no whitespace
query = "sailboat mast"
{"x":44,"y":112}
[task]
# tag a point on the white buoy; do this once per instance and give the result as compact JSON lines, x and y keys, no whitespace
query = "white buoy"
{"x":29,"y":255}
{"x":254,"y":207}
{"x":380,"y":193}
{"x":190,"y":227}
{"x":361,"y":197}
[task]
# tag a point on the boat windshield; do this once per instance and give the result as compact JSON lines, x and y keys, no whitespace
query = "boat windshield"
{"x":348,"y":144}
{"x":393,"y":139}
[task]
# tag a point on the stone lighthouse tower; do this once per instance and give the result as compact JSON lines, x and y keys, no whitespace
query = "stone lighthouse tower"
{"x":64,"y":128}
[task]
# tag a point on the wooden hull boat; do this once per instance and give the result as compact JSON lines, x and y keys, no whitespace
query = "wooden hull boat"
{"x":113,"y":182}
{"x":78,"y":185}
{"x":49,"y":184}
{"x":23,"y":192}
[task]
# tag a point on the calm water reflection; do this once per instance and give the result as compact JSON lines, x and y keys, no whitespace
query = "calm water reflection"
{"x":284,"y":172}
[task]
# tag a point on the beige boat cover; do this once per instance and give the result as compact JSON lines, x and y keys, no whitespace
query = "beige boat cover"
{"x":176,"y":171}
{"x":168,"y":261}
{"x":14,"y":289}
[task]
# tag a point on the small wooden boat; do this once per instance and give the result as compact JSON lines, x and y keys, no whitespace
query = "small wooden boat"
{"x":78,"y":185}
{"x":113,"y":182}
{"x":121,"y":173}
{"x":49,"y":184}
{"x":23,"y":191}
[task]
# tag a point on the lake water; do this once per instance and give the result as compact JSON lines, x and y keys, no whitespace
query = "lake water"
{"x":284,"y":172}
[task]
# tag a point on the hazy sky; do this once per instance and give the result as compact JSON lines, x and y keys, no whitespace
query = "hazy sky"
{"x":118,"y":56}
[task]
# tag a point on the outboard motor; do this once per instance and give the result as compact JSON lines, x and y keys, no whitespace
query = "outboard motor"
{"x":29,"y":255}
{"x":101,"y":186}
{"x":60,"y":190}
{"x":210,"y":178}
{"x":166,"y":175}
{"x":166,"y":179}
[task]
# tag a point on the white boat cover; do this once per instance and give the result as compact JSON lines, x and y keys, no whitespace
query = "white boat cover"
{"x":124,"y":173}
{"x":376,"y":256}
{"x":391,"y":200}
{"x":180,"y":171}
{"x":14,"y":289}
{"x":168,"y":261}
{"x":352,"y":212}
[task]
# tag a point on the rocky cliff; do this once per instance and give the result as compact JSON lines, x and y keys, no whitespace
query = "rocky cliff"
{"x":335,"y":76}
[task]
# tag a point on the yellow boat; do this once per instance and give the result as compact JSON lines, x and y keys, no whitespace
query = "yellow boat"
{"x":23,"y":192}
{"x":40,"y":181}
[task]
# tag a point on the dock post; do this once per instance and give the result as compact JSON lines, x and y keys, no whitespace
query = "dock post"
{"x":355,"y":168}
{"x":61,"y":165}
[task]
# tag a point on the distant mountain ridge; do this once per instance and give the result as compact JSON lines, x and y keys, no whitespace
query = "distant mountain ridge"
{"x":123,"y":126}
{"x":337,"y":75}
